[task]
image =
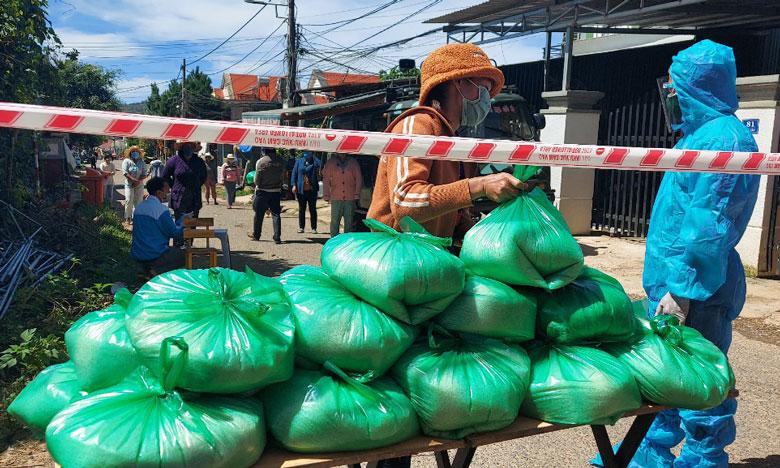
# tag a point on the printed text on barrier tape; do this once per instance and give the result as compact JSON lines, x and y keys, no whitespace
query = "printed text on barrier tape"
{"x":59,"y":119}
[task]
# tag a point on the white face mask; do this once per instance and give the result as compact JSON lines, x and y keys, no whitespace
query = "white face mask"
{"x":474,"y":112}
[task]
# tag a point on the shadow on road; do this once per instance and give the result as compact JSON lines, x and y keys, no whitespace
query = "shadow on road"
{"x":308,"y":240}
{"x":589,"y":251}
{"x":266,"y":267}
{"x":769,"y":462}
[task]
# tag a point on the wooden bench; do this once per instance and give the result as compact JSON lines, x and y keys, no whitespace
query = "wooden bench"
{"x":276,"y":457}
{"x":192,"y":232}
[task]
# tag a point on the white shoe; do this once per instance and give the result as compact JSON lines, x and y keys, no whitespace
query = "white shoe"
{"x":300,"y":231}
{"x":314,"y":231}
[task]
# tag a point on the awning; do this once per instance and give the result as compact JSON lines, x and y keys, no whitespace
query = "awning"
{"x":501,"y":19}
{"x":317,"y":111}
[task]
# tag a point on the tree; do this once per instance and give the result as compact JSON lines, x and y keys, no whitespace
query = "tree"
{"x":33,"y":70}
{"x":27,"y":43}
{"x":396,"y":73}
{"x":200,"y":102}
{"x":84,"y":86}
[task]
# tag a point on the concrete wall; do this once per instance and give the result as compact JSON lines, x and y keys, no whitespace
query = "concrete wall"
{"x":759,"y":101}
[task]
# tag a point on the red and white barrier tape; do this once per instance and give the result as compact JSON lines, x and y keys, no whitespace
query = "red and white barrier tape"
{"x":57,"y":119}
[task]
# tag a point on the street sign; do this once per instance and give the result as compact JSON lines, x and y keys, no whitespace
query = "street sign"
{"x":752,"y":125}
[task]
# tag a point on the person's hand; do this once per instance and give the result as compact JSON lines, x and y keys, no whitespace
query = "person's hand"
{"x":294,"y":189}
{"x":498,"y":187}
{"x":675,"y":306}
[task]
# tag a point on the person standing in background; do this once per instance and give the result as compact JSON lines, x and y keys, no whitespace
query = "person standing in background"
{"x":269,"y":177}
{"x":156,"y":167}
{"x":134,"y":170}
{"x":108,"y":169}
{"x":186,"y":173}
{"x":341,"y":184}
{"x":211,"y":177}
{"x":230,"y":175}
{"x":305,"y":184}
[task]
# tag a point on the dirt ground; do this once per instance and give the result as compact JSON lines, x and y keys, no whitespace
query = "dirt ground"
{"x":755,"y":353}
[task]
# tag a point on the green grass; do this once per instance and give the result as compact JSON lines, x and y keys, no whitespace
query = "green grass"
{"x":101,"y":248}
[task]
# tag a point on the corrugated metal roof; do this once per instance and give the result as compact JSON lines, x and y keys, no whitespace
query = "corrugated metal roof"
{"x":491,"y":10}
{"x":556,"y":15}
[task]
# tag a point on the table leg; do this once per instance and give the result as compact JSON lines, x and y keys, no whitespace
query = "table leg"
{"x":442,"y":459}
{"x":634,"y":437}
{"x":463,"y":457}
{"x":604,"y":446}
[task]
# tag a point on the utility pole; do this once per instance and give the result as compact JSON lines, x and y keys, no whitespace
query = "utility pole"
{"x":292,"y":55}
{"x":183,"y":88}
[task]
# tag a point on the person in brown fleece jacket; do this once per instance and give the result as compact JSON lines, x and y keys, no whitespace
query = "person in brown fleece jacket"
{"x":457,"y":83}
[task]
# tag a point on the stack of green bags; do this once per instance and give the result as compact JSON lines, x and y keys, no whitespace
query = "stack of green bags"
{"x":149,"y":376}
{"x":391,"y":337}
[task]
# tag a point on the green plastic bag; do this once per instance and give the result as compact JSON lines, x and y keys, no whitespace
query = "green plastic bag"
{"x":676,"y":366}
{"x":592,"y":309}
{"x":99,"y":346}
{"x":524,"y":242}
{"x":331,"y":411}
{"x":459,"y":386}
{"x":578,"y":385}
{"x":53,"y":389}
{"x":331,"y":324}
{"x":408,"y":275}
{"x":238,"y":327}
{"x":250,"y":178}
{"x":143,"y":421}
{"x":490,"y":308}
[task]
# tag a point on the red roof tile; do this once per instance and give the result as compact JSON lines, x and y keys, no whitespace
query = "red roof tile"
{"x":244,"y":87}
{"x":333,"y":79}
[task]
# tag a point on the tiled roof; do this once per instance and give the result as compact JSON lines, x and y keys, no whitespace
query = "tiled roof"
{"x":333,"y":78}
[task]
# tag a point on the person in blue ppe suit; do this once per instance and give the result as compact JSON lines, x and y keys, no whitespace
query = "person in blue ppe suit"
{"x":692,"y":270}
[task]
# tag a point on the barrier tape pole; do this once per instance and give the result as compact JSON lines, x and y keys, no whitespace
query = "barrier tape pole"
{"x":58,"y":119}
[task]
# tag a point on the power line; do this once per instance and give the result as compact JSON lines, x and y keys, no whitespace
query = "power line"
{"x":339,"y":24}
{"x":427,"y":6}
{"x":230,"y":37}
{"x":251,"y":51}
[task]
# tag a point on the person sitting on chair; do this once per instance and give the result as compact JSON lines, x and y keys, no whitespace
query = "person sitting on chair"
{"x":153,"y":228}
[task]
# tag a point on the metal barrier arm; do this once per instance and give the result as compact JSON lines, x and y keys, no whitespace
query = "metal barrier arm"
{"x":58,"y":119}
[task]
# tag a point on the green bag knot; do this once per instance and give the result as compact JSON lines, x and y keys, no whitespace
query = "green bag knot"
{"x":523,"y":173}
{"x":433,"y":330}
{"x":217,"y":281}
{"x":668,"y":328}
{"x":172,"y":366}
{"x":122,"y":298}
{"x":361,"y":379}
{"x":409,"y":227}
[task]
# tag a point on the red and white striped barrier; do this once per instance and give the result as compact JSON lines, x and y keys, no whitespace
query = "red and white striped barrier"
{"x":57,"y":119}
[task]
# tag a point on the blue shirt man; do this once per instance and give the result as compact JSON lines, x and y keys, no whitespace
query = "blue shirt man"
{"x":153,"y":228}
{"x":692,"y":270}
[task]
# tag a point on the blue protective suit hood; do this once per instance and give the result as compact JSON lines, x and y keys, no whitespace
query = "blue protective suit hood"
{"x":704,"y":76}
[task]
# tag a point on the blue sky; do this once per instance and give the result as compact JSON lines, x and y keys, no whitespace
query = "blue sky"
{"x":146,"y":40}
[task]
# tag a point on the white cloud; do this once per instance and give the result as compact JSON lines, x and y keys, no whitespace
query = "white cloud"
{"x":135,"y":89}
{"x":125,"y":28}
{"x":96,"y":46}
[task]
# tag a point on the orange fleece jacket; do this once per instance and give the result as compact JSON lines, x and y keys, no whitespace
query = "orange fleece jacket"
{"x":429,"y":191}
